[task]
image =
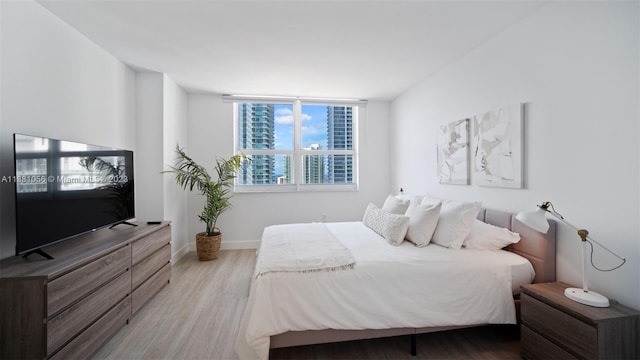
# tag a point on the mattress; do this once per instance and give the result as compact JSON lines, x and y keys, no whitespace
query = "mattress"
{"x":389,"y":287}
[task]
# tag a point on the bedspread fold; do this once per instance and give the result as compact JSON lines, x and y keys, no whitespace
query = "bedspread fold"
{"x":301,"y":248}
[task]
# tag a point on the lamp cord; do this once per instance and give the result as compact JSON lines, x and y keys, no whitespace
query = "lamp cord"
{"x":597,"y":268}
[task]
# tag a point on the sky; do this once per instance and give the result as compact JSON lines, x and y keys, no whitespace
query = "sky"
{"x":314,"y":126}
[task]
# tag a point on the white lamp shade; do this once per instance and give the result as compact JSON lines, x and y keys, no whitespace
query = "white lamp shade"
{"x":535,"y":219}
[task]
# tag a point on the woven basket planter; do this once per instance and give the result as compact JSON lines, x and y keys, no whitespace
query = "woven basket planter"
{"x":208,"y":247}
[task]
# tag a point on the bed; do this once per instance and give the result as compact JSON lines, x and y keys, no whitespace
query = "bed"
{"x":309,"y":307}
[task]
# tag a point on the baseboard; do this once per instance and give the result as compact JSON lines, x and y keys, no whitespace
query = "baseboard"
{"x":180,"y":253}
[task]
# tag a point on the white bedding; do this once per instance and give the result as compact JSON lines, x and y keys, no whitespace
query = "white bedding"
{"x":389,"y":287}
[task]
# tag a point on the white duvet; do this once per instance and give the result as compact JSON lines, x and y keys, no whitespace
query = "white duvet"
{"x":389,"y":287}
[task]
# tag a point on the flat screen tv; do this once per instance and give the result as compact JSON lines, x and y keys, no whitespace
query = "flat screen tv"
{"x":65,"y":189}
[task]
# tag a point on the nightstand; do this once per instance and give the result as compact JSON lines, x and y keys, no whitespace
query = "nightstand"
{"x":555,"y":327}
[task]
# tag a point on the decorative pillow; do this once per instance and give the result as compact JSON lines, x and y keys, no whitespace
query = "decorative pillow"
{"x":395,"y":205}
{"x":489,"y":237}
{"x":455,"y":222}
{"x":423,"y":220}
{"x":391,"y":227}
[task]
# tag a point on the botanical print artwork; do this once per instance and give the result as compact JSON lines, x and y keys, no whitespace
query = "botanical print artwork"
{"x":453,"y":153}
{"x":498,"y":147}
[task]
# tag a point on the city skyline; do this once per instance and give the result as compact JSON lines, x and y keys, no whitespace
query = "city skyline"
{"x":271,"y":127}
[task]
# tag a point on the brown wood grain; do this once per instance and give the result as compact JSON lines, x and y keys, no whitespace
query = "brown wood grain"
{"x":150,"y":287}
{"x":70,"y":322}
{"x":77,"y":283}
{"x":536,"y":347}
{"x":148,"y":266}
{"x":75,"y":289}
{"x":147,"y":245}
{"x":83,"y":346}
{"x":585,"y":331}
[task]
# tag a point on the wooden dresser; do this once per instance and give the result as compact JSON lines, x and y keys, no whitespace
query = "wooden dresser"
{"x":556,"y":327}
{"x":70,"y":306}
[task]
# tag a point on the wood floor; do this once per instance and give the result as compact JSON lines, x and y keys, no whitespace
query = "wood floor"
{"x":197,"y":316}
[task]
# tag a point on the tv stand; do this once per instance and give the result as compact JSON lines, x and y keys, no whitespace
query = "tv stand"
{"x":122,"y":222}
{"x":68,"y":307}
{"x":39,"y":252}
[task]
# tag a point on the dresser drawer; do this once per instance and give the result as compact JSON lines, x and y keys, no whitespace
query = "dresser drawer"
{"x":83,"y":280}
{"x":149,"y":244}
{"x":574,"y":335}
{"x":145,"y":268}
{"x":70,"y":322}
{"x":150,"y":287}
{"x":90,"y":340}
{"x":535,"y":346}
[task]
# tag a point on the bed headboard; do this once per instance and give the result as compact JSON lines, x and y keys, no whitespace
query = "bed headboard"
{"x":538,"y":248}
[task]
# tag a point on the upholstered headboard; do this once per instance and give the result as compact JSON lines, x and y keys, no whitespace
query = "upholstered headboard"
{"x":538,"y":248}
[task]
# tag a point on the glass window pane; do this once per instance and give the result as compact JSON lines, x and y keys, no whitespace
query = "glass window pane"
{"x":87,"y":173}
{"x":29,"y":144}
{"x":331,"y":127}
{"x":314,"y":169}
{"x":266,"y":170}
{"x":265,"y":126}
{"x":327,"y":169}
{"x":340,"y":169}
{"x":314,"y":126}
{"x":31,"y":175}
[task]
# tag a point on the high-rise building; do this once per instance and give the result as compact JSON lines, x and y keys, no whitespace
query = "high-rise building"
{"x":313,"y":166}
{"x":340,"y":137}
{"x":256,"y":131}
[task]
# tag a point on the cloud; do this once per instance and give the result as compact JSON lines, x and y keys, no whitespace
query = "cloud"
{"x":313,"y":130}
{"x":284,"y":116}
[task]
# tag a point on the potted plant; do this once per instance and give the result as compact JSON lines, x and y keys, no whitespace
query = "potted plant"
{"x":217,"y":192}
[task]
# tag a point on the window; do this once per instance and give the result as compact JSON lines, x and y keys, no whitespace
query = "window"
{"x":296,"y":144}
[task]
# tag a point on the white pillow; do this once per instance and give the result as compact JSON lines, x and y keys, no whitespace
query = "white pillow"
{"x":455,"y":222}
{"x":489,"y":237}
{"x":395,"y":205}
{"x":391,"y":227}
{"x":423,"y":220}
{"x":412,"y":198}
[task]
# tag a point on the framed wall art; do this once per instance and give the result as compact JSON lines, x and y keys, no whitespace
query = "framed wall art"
{"x":453,"y":153}
{"x":498,"y":150}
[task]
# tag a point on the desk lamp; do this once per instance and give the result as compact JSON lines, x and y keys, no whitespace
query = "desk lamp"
{"x":536,"y":220}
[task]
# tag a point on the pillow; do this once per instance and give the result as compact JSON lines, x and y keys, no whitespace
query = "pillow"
{"x":489,"y":237}
{"x":423,"y":220}
{"x":455,"y":222}
{"x":412,"y":198}
{"x":391,"y":227}
{"x":395,"y":205}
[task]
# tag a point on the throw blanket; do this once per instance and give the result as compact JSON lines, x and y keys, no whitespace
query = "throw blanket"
{"x":301,"y":248}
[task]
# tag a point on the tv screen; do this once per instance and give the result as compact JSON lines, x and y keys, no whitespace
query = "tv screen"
{"x":64,"y":189}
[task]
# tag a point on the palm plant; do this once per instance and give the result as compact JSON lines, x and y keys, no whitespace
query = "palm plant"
{"x":217,"y":191}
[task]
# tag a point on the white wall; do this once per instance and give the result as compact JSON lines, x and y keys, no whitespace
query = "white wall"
{"x":210,"y":135}
{"x":575,"y":65}
{"x":161,"y":113}
{"x":58,"y":84}
{"x":149,"y":155}
{"x":174,"y":132}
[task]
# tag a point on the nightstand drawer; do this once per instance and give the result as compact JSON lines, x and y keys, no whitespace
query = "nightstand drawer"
{"x":562,"y":329}
{"x":535,"y":346}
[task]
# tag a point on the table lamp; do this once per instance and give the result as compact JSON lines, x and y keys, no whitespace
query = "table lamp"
{"x":536,"y":220}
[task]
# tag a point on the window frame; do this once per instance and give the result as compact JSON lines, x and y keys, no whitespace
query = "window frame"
{"x":298,"y":152}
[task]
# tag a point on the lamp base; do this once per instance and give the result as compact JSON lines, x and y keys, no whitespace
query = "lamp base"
{"x":590,"y":298}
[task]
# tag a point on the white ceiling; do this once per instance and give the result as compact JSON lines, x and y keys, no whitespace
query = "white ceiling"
{"x":340,"y":49}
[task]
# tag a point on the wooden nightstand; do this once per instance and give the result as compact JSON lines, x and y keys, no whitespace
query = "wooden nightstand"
{"x":555,"y":327}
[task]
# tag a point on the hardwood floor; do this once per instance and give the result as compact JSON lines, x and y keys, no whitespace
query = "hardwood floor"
{"x":198,"y":317}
